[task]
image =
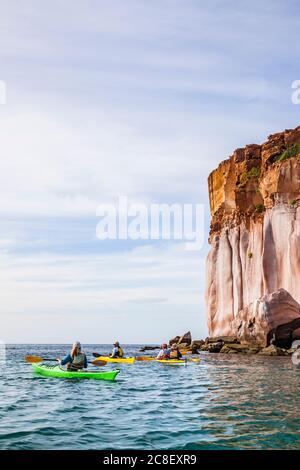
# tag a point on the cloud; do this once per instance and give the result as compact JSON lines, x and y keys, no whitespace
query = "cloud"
{"x":112,"y":290}
{"x":135,"y":98}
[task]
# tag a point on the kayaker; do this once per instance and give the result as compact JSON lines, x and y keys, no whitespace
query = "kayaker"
{"x":175,"y":353}
{"x":164,"y":352}
{"x":117,"y":350}
{"x":76,"y":359}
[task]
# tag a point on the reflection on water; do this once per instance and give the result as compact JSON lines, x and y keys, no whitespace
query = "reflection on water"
{"x":225,"y":402}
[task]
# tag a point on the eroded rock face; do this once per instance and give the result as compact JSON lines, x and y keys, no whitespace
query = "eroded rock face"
{"x":255,"y":241}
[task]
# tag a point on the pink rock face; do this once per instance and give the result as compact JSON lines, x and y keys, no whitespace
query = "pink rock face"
{"x":253,"y":267}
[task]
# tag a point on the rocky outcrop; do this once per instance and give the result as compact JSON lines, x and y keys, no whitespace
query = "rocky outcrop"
{"x":149,"y":348}
{"x":196,"y":344}
{"x":253,"y":268}
{"x":185,"y":339}
{"x":273,"y":351}
{"x":215,"y":347}
{"x":270,"y":319}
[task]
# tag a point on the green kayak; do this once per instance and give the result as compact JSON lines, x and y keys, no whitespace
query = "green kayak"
{"x":56,"y":371}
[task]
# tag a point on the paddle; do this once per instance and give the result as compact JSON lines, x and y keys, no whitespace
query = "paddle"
{"x":33,"y":359}
{"x":145,"y":358}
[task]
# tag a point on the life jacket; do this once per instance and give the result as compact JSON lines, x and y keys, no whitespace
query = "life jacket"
{"x":174,"y":354}
{"x":120,"y":352}
{"x":77,"y":362}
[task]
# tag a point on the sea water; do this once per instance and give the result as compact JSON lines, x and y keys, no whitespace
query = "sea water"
{"x":224,"y":402}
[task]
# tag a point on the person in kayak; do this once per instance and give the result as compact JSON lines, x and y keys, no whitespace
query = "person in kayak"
{"x":175,"y":353}
{"x":76,"y":359}
{"x":117,"y":350}
{"x":164,"y":352}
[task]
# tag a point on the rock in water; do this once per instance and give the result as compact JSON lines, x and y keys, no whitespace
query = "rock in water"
{"x":273,"y":351}
{"x":186,"y":338}
{"x":149,"y":348}
{"x":174,"y":340}
{"x":196,"y":345}
{"x":271,"y":319}
{"x":215,"y":347}
{"x":224,"y":339}
{"x":253,"y":268}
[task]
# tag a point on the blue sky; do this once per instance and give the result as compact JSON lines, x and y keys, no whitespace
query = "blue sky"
{"x":136,"y":98}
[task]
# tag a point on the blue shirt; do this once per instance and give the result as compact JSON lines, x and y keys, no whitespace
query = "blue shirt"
{"x":68,"y":360}
{"x":163,"y":352}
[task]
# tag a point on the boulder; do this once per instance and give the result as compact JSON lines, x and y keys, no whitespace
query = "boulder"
{"x":233,"y":348}
{"x":174,"y":340}
{"x":296,"y":334}
{"x":223,"y":339}
{"x":196,"y":346}
{"x":215,"y":347}
{"x":254,"y":350}
{"x":182,"y":346}
{"x":197,"y":343}
{"x":149,"y":348}
{"x":270,"y":319}
{"x":273,"y":351}
{"x":227,"y":350}
{"x":186,"y":338}
{"x":291,"y":351}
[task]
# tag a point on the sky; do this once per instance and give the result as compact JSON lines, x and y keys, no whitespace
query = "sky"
{"x":124,"y":98}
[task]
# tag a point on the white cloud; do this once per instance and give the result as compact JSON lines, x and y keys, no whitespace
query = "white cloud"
{"x":133,"y":98}
{"x":115,"y":291}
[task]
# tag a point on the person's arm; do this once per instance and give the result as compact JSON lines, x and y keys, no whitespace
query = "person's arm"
{"x":160,"y":354}
{"x":114,"y":352}
{"x":66,"y":360}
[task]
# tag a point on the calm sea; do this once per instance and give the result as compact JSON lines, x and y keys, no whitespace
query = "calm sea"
{"x":225,"y":402}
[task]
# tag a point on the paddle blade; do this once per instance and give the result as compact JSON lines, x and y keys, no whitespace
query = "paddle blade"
{"x":33,"y":359}
{"x":99,"y":363}
{"x":96,"y":354}
{"x":145,"y":358}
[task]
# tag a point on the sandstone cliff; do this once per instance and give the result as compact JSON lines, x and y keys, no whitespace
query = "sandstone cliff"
{"x":253,"y":268}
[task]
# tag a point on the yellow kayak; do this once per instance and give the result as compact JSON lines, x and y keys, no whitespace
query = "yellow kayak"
{"x":172,"y":361}
{"x":119,"y":360}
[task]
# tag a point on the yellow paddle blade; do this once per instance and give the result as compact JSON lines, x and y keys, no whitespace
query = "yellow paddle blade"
{"x":190,"y":359}
{"x":33,"y":359}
